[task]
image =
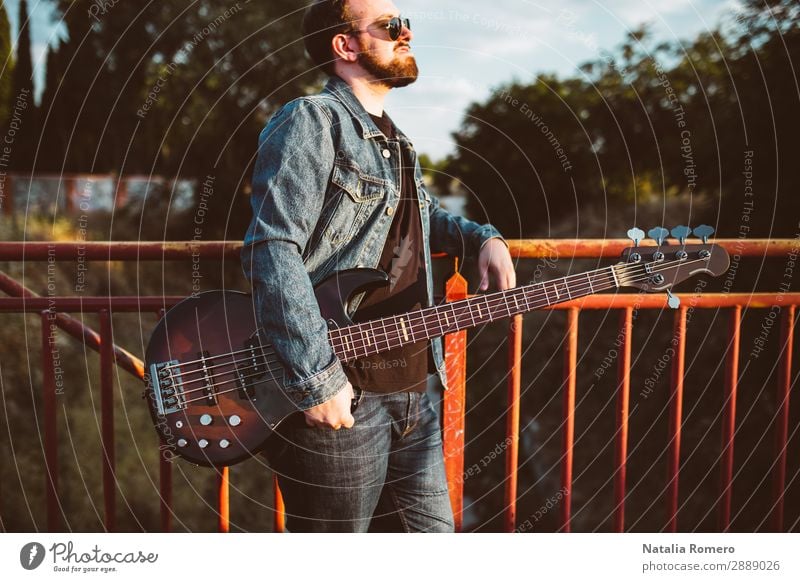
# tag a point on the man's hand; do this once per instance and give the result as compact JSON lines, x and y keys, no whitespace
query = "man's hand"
{"x":495,"y":261}
{"x":333,"y":413}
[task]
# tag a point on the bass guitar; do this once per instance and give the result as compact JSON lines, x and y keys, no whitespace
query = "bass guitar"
{"x":214,"y":386}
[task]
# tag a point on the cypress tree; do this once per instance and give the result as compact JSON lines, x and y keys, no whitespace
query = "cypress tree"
{"x":20,"y":102}
{"x":6,"y":64}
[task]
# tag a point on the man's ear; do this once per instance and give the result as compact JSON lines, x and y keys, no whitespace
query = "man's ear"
{"x":341,"y":44}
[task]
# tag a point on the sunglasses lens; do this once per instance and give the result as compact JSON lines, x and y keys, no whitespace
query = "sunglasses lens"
{"x":395,"y":26}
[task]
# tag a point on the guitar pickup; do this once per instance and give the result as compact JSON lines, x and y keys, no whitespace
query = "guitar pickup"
{"x":208,"y":382}
{"x":253,"y":367}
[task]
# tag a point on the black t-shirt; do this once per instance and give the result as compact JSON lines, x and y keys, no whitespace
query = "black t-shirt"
{"x":406,"y":367}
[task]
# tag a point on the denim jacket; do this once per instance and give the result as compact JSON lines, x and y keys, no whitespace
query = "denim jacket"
{"x":325,"y":186}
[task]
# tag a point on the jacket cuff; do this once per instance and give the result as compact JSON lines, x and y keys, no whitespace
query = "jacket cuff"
{"x":486,"y":233}
{"x":318,"y":388}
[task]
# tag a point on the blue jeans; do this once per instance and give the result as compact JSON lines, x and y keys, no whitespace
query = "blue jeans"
{"x":384,"y":474}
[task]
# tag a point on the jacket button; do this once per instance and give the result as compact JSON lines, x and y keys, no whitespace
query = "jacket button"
{"x":387,"y":154}
{"x":389,"y":210}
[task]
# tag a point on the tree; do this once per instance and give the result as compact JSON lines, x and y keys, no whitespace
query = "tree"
{"x":7,"y":60}
{"x":22,"y":93}
{"x":664,"y":124}
{"x":172,"y":88}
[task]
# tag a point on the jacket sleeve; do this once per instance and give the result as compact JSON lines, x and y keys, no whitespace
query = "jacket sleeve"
{"x":293,"y":165}
{"x":456,"y":235}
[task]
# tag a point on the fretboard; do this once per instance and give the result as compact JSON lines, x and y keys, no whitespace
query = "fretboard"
{"x":379,"y":335}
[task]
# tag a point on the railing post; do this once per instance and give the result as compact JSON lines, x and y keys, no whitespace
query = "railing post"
{"x":224,"y":500}
{"x":782,"y":416}
{"x":107,"y":418}
{"x":454,"y":402}
{"x":279,"y":515}
{"x":164,"y":476}
{"x":623,"y":403}
{"x":676,"y":417}
{"x":165,"y":489}
{"x":570,"y":383}
{"x":729,"y":421}
{"x":50,"y":427}
{"x":512,"y":420}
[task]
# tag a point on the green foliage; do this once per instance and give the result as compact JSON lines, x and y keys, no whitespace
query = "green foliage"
{"x":648,"y":124}
{"x":172,"y":88}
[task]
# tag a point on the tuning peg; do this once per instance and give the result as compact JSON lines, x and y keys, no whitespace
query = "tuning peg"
{"x":673,"y":302}
{"x":704,"y":231}
{"x":681,"y":233}
{"x":636,"y":235}
{"x":658,"y":234}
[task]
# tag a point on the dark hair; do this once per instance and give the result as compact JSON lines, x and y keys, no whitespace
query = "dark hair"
{"x":322,"y":21}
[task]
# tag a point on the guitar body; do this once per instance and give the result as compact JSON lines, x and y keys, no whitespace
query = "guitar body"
{"x":213,"y":389}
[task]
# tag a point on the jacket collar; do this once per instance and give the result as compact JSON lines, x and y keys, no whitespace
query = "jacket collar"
{"x":337,"y":87}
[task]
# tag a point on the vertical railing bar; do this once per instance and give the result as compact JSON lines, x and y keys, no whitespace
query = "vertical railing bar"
{"x":107,"y":418}
{"x":512,"y":421}
{"x":570,"y":382}
{"x":165,"y":490}
{"x":50,"y":425}
{"x":454,"y":403}
{"x":782,"y":417}
{"x":164,"y":476}
{"x":224,"y":501}
{"x":279,"y":515}
{"x":729,"y":420}
{"x":623,"y":405}
{"x":675,"y":418}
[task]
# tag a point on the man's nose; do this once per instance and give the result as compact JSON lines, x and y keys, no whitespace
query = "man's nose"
{"x":406,"y":34}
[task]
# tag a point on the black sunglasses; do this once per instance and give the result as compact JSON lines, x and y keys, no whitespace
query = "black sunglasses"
{"x":394,"y":26}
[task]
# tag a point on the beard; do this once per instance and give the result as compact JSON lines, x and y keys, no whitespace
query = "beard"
{"x":400,"y":71}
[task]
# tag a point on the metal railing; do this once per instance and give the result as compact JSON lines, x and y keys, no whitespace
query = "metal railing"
{"x":55,"y":310}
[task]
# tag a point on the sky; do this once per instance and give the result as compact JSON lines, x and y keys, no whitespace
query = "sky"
{"x":467,"y":48}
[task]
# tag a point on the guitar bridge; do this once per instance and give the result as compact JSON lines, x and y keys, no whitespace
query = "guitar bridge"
{"x":165,"y":379}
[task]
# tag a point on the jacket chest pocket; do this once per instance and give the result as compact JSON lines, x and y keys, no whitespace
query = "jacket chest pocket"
{"x":355,"y":195}
{"x":424,"y":205}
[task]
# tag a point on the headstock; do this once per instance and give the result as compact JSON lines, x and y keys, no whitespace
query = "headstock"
{"x":659,"y":268}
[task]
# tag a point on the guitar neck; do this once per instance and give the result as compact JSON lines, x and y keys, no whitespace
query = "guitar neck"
{"x":379,"y":335}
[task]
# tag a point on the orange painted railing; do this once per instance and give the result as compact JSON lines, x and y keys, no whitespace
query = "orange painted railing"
{"x":55,"y":310}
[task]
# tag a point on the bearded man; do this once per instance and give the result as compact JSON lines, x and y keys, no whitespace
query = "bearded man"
{"x":336,"y":186}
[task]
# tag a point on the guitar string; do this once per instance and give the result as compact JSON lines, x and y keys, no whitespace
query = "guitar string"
{"x":205,"y":360}
{"x":500,"y":299}
{"x":218,"y":393}
{"x":630,"y":267}
{"x":389,"y":338}
{"x":415,"y":320}
{"x":267,"y":362}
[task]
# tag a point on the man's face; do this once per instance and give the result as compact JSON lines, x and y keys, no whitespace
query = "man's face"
{"x":390,"y":62}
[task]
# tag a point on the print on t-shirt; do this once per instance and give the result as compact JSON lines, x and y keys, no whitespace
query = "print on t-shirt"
{"x":403,"y":253}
